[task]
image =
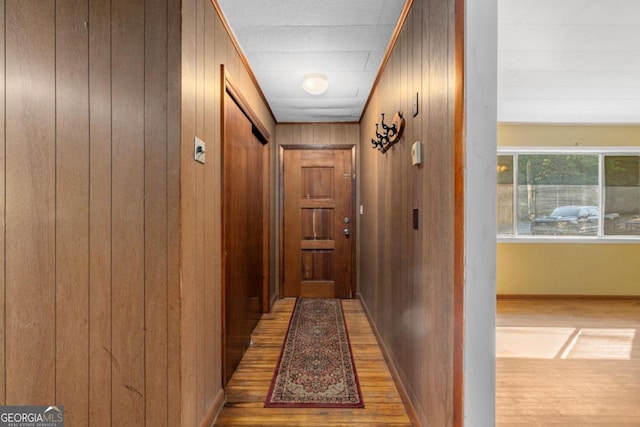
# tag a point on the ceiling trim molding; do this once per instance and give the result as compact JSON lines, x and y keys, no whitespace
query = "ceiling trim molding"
{"x":243,"y":58}
{"x":319,"y":123}
{"x":385,"y":59}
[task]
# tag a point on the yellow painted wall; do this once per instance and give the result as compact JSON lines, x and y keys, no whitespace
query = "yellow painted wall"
{"x":568,"y":136}
{"x":568,"y":268}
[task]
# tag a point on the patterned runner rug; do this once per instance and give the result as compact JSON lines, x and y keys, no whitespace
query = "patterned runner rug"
{"x":316,"y":367}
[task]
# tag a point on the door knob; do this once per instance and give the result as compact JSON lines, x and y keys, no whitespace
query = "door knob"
{"x":346,"y":232}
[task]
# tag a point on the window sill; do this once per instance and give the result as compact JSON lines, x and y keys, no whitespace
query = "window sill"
{"x":588,"y":240}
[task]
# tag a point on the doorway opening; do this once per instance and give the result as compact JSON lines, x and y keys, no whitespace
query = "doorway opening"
{"x":317,"y":227}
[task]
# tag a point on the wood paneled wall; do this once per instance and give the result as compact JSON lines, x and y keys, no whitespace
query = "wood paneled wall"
{"x":318,"y":133}
{"x":110,"y":254}
{"x":407,"y":275}
{"x":89,"y":176}
{"x":206,"y":45}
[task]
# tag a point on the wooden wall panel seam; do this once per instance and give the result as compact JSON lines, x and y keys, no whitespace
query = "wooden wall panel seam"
{"x":100,"y":352}
{"x":188,"y":188}
{"x":3,"y":168}
{"x":156,"y":216}
{"x":128,"y":210}
{"x":174,"y":56}
{"x":200,"y":220}
{"x":71,"y":212}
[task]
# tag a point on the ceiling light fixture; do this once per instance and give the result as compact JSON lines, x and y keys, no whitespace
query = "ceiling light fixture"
{"x":315,"y":83}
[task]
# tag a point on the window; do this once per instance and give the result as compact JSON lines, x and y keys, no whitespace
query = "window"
{"x":568,"y":193}
{"x":622,"y":195}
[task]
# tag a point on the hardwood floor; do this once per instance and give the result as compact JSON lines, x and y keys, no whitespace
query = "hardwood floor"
{"x":248,"y":387}
{"x":568,"y":363}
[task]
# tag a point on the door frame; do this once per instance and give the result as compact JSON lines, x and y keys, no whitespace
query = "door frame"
{"x":264,"y":137}
{"x":354,"y":245}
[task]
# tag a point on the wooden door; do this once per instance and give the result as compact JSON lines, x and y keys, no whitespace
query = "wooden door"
{"x":318,"y":234}
{"x":245,"y":167}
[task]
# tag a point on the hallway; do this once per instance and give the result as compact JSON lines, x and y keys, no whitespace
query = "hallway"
{"x":248,"y":387}
{"x":112,"y":271}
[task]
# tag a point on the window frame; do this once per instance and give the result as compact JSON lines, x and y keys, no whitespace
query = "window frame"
{"x":601,"y":152}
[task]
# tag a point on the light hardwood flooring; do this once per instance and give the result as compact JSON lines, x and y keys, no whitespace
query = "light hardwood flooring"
{"x":248,"y":387}
{"x":568,"y":363}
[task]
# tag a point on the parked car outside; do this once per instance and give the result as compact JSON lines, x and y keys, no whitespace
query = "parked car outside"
{"x":633,"y":226}
{"x":568,"y":221}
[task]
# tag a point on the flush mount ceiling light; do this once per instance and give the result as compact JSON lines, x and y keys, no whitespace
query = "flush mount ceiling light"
{"x":315,"y":83}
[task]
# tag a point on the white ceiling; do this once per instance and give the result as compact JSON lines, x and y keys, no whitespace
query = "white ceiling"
{"x":569,"y":61}
{"x":559,"y":61}
{"x":285,"y":39}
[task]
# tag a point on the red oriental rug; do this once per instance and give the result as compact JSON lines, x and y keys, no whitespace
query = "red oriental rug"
{"x":316,"y":366}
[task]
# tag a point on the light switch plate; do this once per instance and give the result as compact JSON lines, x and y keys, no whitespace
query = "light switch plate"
{"x":198,"y":151}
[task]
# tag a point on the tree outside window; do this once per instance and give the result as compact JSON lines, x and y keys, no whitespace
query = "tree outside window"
{"x":559,"y":194}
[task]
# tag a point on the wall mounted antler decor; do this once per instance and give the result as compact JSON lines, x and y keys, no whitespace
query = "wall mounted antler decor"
{"x":390,"y":133}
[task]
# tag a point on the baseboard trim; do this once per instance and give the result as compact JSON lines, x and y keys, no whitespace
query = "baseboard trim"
{"x":214,"y":410}
{"x":411,"y":410}
{"x":568,"y":297}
